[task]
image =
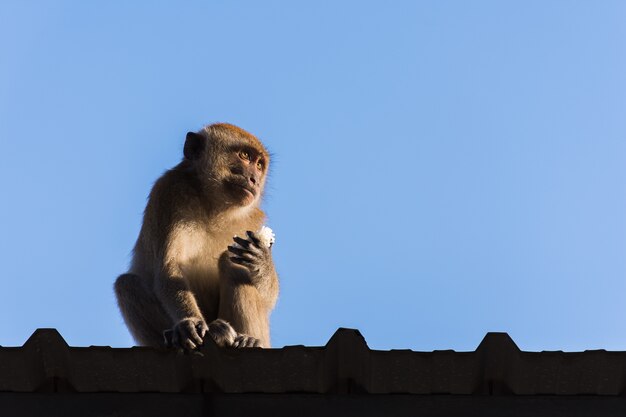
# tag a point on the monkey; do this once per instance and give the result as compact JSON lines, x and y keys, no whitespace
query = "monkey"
{"x":198,"y":267}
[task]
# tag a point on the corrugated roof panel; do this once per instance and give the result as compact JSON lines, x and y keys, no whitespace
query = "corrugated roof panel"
{"x":344,"y":366}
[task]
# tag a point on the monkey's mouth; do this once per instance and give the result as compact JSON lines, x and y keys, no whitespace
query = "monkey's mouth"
{"x":248,"y":191}
{"x":242,"y":188}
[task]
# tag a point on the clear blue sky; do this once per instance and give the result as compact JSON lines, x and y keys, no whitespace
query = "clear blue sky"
{"x":442,"y":168}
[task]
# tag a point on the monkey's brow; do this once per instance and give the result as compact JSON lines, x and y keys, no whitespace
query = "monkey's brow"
{"x":248,"y":148}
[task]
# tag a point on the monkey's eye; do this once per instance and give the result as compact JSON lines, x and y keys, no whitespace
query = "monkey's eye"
{"x":260,"y":165}
{"x":244,"y":155}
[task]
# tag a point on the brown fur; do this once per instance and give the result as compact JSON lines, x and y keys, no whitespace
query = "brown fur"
{"x":181,"y":268}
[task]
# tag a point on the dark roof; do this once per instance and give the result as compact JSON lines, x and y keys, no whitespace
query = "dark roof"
{"x":344,"y":367}
{"x":345,"y":364}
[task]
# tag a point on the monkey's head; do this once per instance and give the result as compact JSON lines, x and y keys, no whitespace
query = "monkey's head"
{"x":229,"y":162}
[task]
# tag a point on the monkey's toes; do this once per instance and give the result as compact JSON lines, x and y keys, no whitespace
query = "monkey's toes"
{"x":244,"y":341}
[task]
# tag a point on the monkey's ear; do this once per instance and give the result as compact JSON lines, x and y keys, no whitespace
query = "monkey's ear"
{"x":194,"y":145}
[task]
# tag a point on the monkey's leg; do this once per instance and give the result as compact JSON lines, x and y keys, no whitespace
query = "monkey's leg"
{"x":241,"y":304}
{"x":143,"y":314}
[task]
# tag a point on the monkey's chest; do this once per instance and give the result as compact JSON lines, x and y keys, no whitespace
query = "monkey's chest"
{"x":203,"y":252}
{"x":202,"y":269}
{"x":200,"y":266}
{"x":202,"y":275}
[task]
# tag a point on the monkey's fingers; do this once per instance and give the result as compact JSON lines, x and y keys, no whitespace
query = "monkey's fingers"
{"x":201,"y":330}
{"x":243,"y":261}
{"x":238,"y":251}
{"x":254,"y":238}
{"x":188,"y":344}
{"x":195,"y":338}
{"x":181,"y":341}
{"x":186,"y":333}
{"x":244,"y":243}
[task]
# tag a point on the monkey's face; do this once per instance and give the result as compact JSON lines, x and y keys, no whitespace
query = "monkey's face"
{"x":245,"y":176}
{"x":230,"y":163}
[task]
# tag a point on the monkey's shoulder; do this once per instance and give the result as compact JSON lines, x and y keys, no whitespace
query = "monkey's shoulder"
{"x":176,"y":188}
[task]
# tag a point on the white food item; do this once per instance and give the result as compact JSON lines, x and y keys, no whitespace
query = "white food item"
{"x":267,"y":236}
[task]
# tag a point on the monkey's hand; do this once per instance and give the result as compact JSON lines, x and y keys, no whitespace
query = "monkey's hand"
{"x":188,"y":333}
{"x":252,"y":255}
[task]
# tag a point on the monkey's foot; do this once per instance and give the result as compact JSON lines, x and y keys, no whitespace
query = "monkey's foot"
{"x":243,"y":340}
{"x":222,"y":332}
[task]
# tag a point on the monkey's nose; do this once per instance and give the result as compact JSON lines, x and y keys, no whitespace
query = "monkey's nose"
{"x":253,"y":180}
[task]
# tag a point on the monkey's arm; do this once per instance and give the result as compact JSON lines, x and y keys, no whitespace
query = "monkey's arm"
{"x":257,"y":259}
{"x":174,"y":293}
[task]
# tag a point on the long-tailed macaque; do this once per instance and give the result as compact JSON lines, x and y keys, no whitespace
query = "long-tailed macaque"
{"x":198,"y":266}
